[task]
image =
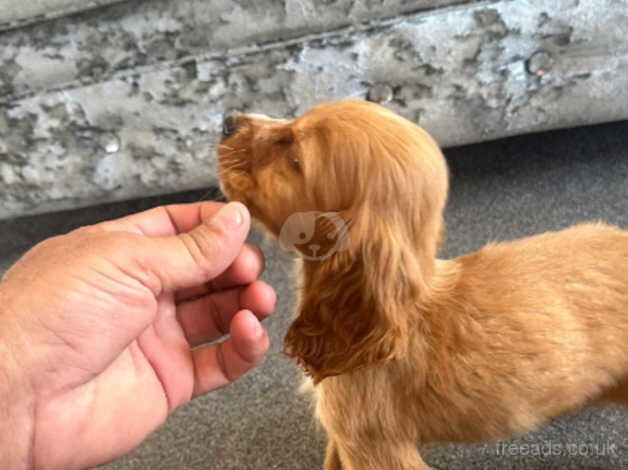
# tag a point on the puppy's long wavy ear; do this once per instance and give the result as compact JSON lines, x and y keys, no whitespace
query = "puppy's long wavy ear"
{"x":355,"y":306}
{"x":353,"y":312}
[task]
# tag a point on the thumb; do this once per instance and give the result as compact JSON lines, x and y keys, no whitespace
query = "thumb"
{"x":195,"y":257}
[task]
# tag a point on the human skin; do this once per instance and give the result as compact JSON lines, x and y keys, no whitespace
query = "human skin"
{"x":102,"y":330}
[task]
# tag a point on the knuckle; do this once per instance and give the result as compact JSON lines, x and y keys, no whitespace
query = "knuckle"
{"x":89,"y":229}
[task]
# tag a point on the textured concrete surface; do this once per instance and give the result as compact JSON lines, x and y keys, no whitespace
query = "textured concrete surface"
{"x":135,"y":34}
{"x":128,"y":102}
{"x":501,"y":190}
{"x":14,"y":13}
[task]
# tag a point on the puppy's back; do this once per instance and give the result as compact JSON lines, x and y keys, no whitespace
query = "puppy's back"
{"x":548,"y":315}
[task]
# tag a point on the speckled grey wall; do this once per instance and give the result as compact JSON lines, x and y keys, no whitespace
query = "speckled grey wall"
{"x":92,"y":47}
{"x":127,"y":100}
{"x":14,"y":14}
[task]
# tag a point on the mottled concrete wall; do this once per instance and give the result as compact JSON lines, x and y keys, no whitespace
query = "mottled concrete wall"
{"x":135,"y":35}
{"x":14,"y":13}
{"x":130,"y":100}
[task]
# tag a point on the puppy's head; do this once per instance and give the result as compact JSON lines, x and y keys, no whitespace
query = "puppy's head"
{"x":359,"y":192}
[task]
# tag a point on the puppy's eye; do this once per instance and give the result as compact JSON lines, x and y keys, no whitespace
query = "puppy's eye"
{"x":293,"y":160}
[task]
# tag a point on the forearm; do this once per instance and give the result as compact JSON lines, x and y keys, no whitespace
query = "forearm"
{"x":16,"y":400}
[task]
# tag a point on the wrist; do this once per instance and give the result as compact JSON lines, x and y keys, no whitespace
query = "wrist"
{"x":16,"y":398}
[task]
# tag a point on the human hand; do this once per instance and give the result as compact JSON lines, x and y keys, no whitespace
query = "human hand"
{"x":99,"y":328}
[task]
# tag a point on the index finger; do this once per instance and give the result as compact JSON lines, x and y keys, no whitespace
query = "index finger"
{"x":164,"y":220}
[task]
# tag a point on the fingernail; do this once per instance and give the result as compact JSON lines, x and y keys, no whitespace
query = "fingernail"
{"x":231,"y":216}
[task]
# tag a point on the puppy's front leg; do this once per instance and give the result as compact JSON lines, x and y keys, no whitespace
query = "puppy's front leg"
{"x":332,"y":458}
{"x":381,"y":456}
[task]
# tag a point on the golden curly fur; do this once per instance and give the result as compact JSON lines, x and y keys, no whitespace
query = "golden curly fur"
{"x":402,"y":347}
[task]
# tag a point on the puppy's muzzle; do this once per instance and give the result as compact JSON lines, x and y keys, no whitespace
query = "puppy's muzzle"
{"x":229,"y":126}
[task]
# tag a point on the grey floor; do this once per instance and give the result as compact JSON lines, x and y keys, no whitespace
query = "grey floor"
{"x":500,"y":190}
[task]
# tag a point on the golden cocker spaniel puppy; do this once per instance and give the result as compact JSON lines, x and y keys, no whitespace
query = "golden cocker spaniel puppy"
{"x":402,"y":347}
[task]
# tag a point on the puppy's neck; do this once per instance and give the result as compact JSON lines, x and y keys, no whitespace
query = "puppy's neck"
{"x":331,"y":281}
{"x":325,"y":281}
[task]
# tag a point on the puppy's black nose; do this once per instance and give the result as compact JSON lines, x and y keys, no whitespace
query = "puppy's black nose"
{"x":229,"y":126}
